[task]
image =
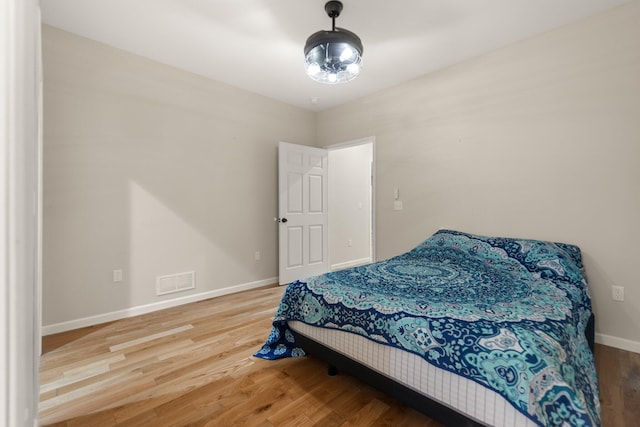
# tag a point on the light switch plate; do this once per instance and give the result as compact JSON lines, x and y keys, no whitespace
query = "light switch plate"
{"x":117,"y":275}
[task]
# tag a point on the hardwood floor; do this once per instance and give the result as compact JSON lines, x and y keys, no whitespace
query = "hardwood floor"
{"x":619,"y":379}
{"x":193,"y":365}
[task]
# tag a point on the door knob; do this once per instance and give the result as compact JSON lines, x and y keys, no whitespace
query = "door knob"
{"x":281,"y":219}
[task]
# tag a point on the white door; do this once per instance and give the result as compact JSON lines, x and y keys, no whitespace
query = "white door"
{"x":303,"y":215}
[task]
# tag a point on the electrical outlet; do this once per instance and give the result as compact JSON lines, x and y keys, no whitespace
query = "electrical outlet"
{"x":350,"y":243}
{"x":256,"y":255}
{"x":617,"y":293}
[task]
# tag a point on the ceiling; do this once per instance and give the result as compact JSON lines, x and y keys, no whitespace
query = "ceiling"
{"x":257,"y":44}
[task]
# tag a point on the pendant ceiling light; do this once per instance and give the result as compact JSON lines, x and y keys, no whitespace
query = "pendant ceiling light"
{"x":333,"y":56}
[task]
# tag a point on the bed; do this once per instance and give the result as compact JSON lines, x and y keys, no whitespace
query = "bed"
{"x":471,"y":330}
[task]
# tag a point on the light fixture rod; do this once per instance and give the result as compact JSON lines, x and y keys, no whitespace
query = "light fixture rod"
{"x":333,"y":9}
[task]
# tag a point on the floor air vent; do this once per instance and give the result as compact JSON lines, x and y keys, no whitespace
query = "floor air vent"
{"x":175,"y":283}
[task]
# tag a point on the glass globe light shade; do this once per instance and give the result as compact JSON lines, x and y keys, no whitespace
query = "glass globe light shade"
{"x":333,"y":56}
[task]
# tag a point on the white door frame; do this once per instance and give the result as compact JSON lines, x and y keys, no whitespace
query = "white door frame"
{"x":20,"y":190}
{"x":362,"y":141}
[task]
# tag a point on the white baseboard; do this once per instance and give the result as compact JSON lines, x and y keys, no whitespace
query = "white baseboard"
{"x":348,"y":264}
{"x":609,"y":340}
{"x":148,"y":308}
{"x":616,"y":342}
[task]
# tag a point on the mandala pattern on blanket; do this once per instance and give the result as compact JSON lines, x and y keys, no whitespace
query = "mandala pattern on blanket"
{"x":509,"y":314}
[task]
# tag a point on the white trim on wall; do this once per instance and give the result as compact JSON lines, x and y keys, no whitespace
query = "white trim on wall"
{"x":148,"y":308}
{"x":353,"y":143}
{"x":349,"y":264}
{"x":621,"y":343}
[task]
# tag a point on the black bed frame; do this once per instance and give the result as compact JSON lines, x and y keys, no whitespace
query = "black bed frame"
{"x":437,"y":411}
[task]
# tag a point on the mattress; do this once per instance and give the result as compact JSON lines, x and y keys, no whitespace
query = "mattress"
{"x":505,"y":314}
{"x":456,"y":392}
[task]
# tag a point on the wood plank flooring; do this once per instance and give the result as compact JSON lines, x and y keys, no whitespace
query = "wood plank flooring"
{"x":192,"y":366}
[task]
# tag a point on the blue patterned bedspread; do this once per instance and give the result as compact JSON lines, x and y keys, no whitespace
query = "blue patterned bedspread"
{"x":509,"y":314}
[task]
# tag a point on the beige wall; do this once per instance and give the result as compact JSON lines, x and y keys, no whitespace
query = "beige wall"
{"x":350,"y":205}
{"x":155,"y":171}
{"x":540,"y":139}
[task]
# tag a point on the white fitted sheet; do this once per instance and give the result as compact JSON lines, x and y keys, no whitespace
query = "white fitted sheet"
{"x":459,"y":393}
